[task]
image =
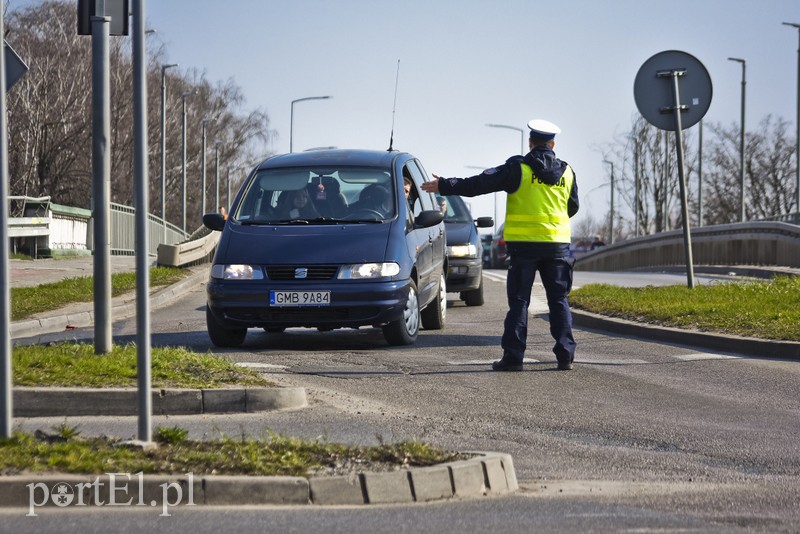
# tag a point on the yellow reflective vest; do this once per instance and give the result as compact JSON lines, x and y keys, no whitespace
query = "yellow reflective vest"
{"x":537,"y":211}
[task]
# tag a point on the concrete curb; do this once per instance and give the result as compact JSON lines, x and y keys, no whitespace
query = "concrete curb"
{"x":82,"y":318}
{"x":746,"y":346}
{"x":488,"y":473}
{"x":75,"y":402}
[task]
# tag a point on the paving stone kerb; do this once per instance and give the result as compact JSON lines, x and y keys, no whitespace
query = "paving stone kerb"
{"x":74,"y":402}
{"x":745,"y":346}
{"x":490,"y":473}
{"x":82,"y":314}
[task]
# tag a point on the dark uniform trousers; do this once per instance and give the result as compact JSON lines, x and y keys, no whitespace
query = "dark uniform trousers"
{"x":556,"y":274}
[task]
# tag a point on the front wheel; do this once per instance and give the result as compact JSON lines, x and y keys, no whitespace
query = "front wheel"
{"x":474,"y":297}
{"x":221,"y":336}
{"x":404,"y":330}
{"x":433,"y":316}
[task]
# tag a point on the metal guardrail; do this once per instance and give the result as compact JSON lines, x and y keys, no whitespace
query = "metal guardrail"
{"x":750,"y":243}
{"x":123,"y":231}
{"x":199,"y":248}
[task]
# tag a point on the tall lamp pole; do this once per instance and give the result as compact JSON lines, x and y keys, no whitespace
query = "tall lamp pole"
{"x":291,"y":116}
{"x":797,"y":136}
{"x":184,"y":95}
{"x":203,"y":171}
{"x":216,"y":175}
{"x":164,"y":146}
{"x":521,"y":134}
{"x":611,"y":218}
{"x":741,"y":142}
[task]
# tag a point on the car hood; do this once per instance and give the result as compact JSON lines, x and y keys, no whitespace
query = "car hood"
{"x":288,"y":244}
{"x":459,"y":233}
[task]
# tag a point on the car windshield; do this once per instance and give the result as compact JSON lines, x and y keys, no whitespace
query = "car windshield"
{"x":318,"y":195}
{"x":457,"y":210}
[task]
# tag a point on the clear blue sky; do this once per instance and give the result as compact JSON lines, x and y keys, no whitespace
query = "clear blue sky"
{"x":466,"y":63}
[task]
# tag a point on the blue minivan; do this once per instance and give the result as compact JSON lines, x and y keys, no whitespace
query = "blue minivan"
{"x":327,"y":239}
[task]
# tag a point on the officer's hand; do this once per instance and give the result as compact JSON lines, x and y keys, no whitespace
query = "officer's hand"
{"x":432,"y":186}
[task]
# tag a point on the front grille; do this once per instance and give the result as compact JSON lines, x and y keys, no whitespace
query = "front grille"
{"x":313,"y":272}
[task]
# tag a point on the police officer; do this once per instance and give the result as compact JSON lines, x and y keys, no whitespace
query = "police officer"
{"x":542,"y":196}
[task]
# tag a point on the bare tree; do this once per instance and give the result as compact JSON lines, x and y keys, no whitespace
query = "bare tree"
{"x":50,"y":135}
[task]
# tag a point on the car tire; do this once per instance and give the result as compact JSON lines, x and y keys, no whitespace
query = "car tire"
{"x":433,"y":316}
{"x":474,"y":297}
{"x":404,"y":331}
{"x":221,"y":336}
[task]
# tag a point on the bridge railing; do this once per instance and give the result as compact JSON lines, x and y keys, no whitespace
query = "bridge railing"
{"x":752,"y":243}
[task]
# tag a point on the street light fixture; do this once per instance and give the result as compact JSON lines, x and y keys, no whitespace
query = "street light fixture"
{"x":164,"y":146}
{"x":291,"y":117}
{"x":741,"y":142}
{"x":611,"y":219}
{"x":797,"y":136}
{"x":184,"y":95}
{"x":521,"y":134}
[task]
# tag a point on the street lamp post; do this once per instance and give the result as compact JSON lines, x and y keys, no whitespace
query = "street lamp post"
{"x":184,"y":95}
{"x":741,"y":142}
{"x":291,"y":117}
{"x":216,"y":175}
{"x":203,"y":171}
{"x":164,"y":146}
{"x":611,"y":218}
{"x":797,"y":136}
{"x":520,"y":130}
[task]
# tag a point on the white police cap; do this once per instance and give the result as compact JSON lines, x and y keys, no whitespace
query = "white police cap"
{"x":543,"y":129}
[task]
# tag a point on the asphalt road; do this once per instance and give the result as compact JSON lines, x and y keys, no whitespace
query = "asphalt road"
{"x":639,"y":436}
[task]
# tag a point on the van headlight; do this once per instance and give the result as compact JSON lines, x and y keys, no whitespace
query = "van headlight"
{"x":362,"y":271}
{"x":236,"y":272}
{"x":463,"y":251}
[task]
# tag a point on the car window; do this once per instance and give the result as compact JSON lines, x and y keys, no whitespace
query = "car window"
{"x":457,"y":210}
{"x":318,"y":194}
{"x":427,"y":200}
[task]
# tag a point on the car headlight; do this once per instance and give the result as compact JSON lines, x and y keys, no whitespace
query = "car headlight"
{"x":236,"y":272}
{"x":463,"y":251}
{"x":361,"y":271}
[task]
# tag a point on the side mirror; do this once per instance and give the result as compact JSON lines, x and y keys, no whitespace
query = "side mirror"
{"x":484,"y":222}
{"x":429,"y":218}
{"x":214,"y":221}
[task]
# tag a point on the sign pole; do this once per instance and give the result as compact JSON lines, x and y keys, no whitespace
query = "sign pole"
{"x":101,"y":179}
{"x":6,"y":382}
{"x":677,"y":108}
{"x":143,"y":359}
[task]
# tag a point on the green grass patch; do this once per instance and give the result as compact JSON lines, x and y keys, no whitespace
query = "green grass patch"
{"x":762,"y":309}
{"x":28,"y":301}
{"x":76,"y":365}
{"x":271,"y":455}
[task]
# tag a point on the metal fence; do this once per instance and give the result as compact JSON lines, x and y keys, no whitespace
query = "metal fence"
{"x":123,"y":231}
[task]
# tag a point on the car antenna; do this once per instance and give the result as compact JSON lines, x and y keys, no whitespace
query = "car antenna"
{"x":394,"y":106}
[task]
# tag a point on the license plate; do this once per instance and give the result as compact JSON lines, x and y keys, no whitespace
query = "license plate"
{"x":299,"y":298}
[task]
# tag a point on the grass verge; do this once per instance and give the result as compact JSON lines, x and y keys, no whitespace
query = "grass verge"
{"x":76,"y":365}
{"x":65,"y":451}
{"x":762,"y":309}
{"x":28,"y":301}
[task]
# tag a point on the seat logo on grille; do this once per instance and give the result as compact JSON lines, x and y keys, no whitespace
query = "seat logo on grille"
{"x":301,"y":272}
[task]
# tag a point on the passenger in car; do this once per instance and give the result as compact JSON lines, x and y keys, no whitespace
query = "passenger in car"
{"x":374,"y":197}
{"x":297,"y":206}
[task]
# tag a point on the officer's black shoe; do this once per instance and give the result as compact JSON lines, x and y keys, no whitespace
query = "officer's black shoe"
{"x":507,"y":365}
{"x":564,"y":366}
